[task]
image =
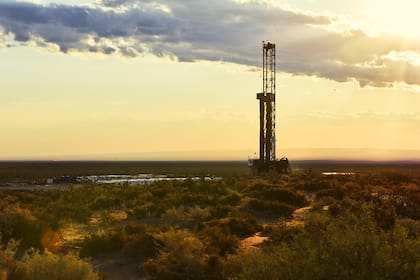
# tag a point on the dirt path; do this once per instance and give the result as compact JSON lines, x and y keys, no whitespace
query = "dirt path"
{"x":253,"y":241}
{"x":297,"y":219}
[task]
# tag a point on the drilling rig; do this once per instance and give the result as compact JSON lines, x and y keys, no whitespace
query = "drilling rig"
{"x":267,"y":100}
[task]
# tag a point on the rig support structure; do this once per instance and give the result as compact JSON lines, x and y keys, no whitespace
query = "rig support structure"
{"x":267,"y":102}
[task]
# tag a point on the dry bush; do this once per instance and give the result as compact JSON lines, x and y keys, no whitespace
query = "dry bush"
{"x":349,"y":246}
{"x":19,"y":224}
{"x":272,"y":208}
{"x":101,"y":243}
{"x":47,"y":266}
{"x":182,"y":256}
{"x":276,"y":193}
{"x":7,"y":257}
{"x":240,"y":226}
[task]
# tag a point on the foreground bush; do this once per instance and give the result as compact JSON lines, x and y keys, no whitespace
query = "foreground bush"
{"x":346,"y":247}
{"x":182,"y":256}
{"x":47,"y":266}
{"x":7,"y":258}
{"x":220,"y":242}
{"x":19,"y":224}
{"x":136,"y":240}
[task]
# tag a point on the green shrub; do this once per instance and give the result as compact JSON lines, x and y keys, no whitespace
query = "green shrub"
{"x":282,"y":233}
{"x":384,"y":215}
{"x":7,"y":257}
{"x":19,"y":224}
{"x":101,"y":243}
{"x":232,"y":199}
{"x":222,"y":211}
{"x":285,"y":195}
{"x":276,"y":193}
{"x":176,"y":247}
{"x":351,"y":246}
{"x":47,"y":266}
{"x":270,"y":207}
{"x":239,"y":226}
{"x":102,"y":203}
{"x":335,"y":192}
{"x":175,"y":216}
{"x":182,"y":256}
{"x":198,"y":214}
{"x":220,"y":241}
{"x":135,"y":240}
{"x":142,"y":211}
{"x":143,"y":245}
{"x":316,"y":184}
{"x":396,"y":177}
{"x":412,"y":227}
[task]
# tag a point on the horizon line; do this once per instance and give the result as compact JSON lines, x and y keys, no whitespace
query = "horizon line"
{"x":320,"y":160}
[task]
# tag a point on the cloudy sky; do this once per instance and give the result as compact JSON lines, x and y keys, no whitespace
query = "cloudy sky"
{"x":177,"y":78}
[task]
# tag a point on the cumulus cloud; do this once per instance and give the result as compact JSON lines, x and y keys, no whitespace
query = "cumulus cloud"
{"x":218,"y":30}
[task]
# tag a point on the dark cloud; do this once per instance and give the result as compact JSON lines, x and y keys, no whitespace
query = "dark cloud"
{"x":218,"y":30}
{"x":23,"y":12}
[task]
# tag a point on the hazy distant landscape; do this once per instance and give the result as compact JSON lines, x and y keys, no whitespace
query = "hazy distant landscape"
{"x":314,"y":154}
{"x":40,"y":171}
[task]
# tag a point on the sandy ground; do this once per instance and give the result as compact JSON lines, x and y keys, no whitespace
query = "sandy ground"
{"x":253,"y":241}
{"x":298,"y":217}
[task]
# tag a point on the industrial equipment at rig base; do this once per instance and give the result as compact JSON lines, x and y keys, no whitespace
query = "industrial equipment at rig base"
{"x":267,"y":99}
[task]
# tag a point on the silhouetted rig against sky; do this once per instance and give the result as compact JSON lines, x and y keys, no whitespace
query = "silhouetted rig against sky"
{"x":267,"y":98}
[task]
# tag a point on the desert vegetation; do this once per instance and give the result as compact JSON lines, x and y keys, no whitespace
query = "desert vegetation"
{"x":364,"y":226}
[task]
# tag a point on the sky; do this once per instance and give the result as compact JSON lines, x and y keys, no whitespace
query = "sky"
{"x":177,"y":79}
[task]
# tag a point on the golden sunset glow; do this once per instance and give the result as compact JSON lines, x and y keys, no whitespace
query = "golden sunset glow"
{"x":397,"y":17}
{"x":128,"y":79}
